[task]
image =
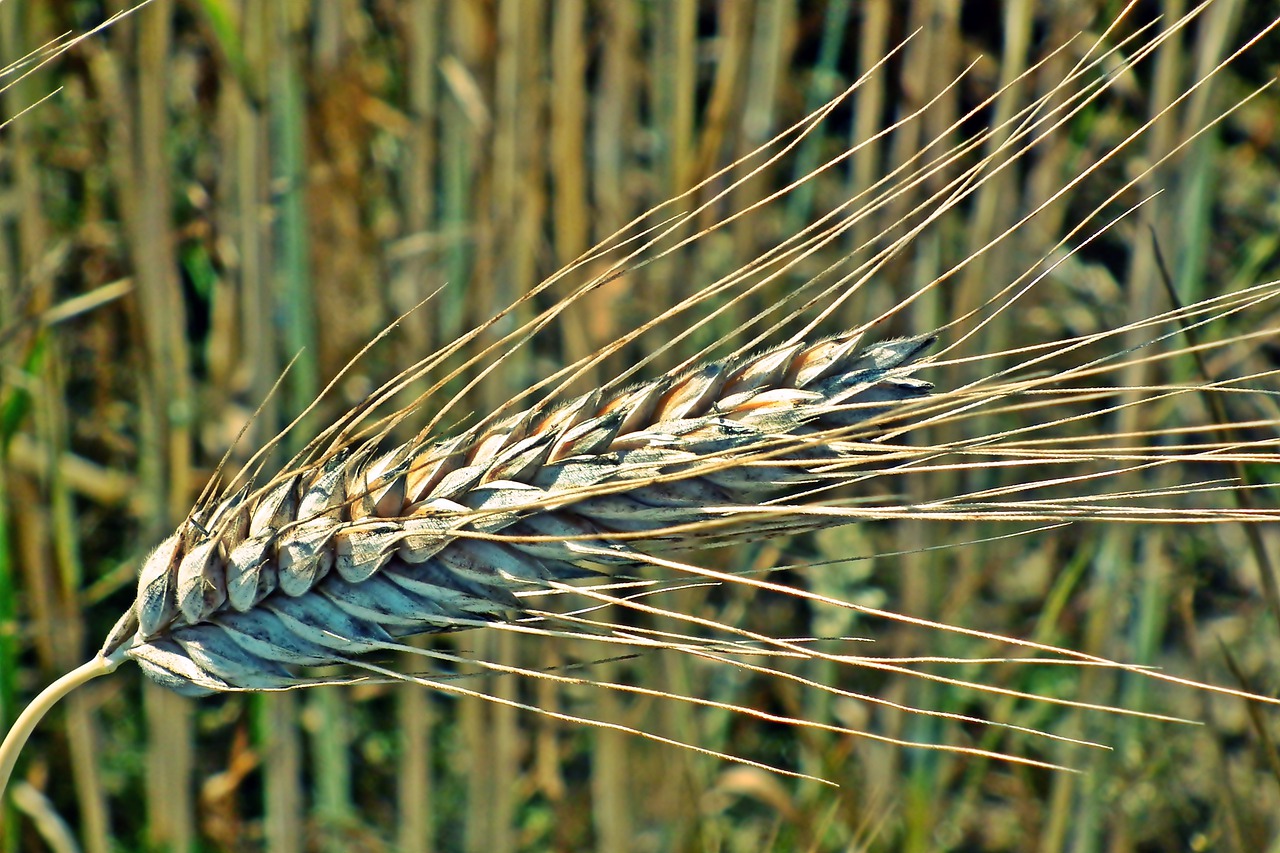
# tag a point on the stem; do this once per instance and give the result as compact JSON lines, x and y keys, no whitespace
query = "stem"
{"x":18,"y":736}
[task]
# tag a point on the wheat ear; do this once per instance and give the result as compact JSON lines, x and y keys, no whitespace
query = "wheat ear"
{"x":326,"y":563}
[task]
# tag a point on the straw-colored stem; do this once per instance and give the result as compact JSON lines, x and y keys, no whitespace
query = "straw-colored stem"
{"x":16,"y":738}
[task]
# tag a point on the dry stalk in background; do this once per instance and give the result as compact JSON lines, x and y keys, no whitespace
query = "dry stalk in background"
{"x":560,"y":517}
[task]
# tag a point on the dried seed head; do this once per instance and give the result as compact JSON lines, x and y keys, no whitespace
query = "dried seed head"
{"x":379,"y":546}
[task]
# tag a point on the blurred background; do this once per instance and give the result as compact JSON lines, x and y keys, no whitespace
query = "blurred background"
{"x":215,"y":187}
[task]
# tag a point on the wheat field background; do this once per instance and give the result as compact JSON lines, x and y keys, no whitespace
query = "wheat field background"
{"x":218,"y":186}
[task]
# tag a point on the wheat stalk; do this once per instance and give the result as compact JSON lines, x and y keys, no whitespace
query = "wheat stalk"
{"x":548,"y":515}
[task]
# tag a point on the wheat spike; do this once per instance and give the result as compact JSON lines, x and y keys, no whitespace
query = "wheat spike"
{"x":543,"y":521}
{"x":366,"y":547}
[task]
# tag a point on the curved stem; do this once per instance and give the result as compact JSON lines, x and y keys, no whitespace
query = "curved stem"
{"x":16,"y":738}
